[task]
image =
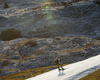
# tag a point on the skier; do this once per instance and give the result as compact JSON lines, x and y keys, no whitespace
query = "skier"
{"x":58,"y":62}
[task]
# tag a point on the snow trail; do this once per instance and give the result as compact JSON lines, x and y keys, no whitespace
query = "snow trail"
{"x":73,"y":71}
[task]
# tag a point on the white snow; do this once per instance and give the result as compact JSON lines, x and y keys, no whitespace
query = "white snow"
{"x":73,"y":71}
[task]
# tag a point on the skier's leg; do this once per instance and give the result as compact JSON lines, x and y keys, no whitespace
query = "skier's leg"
{"x":61,"y":66}
{"x":58,"y":65}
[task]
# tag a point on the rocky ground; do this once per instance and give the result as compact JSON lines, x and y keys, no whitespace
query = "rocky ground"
{"x":41,"y":19}
{"x":44,"y":28}
{"x":22,"y":54}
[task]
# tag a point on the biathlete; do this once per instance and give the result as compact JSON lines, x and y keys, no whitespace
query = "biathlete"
{"x":58,"y":62}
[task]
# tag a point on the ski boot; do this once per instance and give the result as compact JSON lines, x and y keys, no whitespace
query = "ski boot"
{"x":59,"y":69}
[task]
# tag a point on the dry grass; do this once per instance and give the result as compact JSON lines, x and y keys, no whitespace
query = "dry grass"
{"x":32,"y":43}
{"x":33,"y":72}
{"x":31,"y":55}
{"x":59,"y":51}
{"x":28,"y":73}
{"x":10,"y":34}
{"x":9,"y":70}
{"x":6,"y":5}
{"x":19,"y":45}
{"x":13,"y":47}
{"x":75,"y":49}
{"x":5,"y":62}
{"x":93,"y":76}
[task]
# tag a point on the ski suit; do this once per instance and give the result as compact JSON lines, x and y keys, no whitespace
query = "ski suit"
{"x":58,"y":62}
